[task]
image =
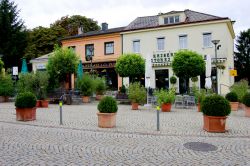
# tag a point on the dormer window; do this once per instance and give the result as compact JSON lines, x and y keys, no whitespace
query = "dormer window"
{"x":171,"y":19}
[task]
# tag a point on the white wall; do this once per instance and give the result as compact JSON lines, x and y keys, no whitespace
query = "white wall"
{"x":194,"y":32}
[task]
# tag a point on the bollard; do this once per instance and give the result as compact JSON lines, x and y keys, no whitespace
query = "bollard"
{"x":158,"y":117}
{"x":60,"y":106}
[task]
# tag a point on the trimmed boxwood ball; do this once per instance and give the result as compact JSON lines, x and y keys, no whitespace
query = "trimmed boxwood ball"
{"x":232,"y":97}
{"x":246,"y":99}
{"x":107,"y":105}
{"x":215,"y":105}
{"x":25,"y":100}
{"x":173,"y":80}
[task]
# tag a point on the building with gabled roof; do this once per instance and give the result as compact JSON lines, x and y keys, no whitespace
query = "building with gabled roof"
{"x":160,"y":36}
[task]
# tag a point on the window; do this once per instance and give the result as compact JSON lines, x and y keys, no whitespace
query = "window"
{"x":109,"y":48}
{"x":207,"y":37}
{"x":160,"y":43}
{"x":89,"y":51}
{"x":183,"y":41}
{"x":136,"y":46}
{"x":171,"y":19}
{"x":177,"y":19}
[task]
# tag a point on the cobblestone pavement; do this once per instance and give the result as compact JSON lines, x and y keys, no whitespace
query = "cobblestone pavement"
{"x":134,"y":141}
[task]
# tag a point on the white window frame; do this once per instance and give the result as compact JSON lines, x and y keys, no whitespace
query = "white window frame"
{"x":207,"y":40}
{"x":136,"y":46}
{"x":160,"y":43}
{"x":176,"y":19}
{"x":183,"y":41}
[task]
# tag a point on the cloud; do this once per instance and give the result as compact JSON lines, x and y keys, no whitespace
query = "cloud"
{"x":120,"y":13}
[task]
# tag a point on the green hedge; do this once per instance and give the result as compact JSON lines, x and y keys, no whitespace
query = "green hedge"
{"x":25,"y":100}
{"x":215,"y":105}
{"x":246,"y":99}
{"x":232,"y":97}
{"x":6,"y":86}
{"x":107,"y":105}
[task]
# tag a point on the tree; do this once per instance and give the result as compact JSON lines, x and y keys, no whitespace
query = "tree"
{"x":1,"y":66}
{"x":13,"y":35}
{"x":71,"y":24}
{"x":130,"y":65}
{"x":242,"y":56}
{"x":187,"y":64}
{"x":42,"y":40}
{"x":63,"y":62}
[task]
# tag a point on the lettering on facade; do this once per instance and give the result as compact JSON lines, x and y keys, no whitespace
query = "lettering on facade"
{"x":162,"y":59}
{"x":99,"y":65}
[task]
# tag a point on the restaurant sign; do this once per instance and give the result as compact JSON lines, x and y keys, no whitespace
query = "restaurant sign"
{"x":99,"y":65}
{"x":162,"y":59}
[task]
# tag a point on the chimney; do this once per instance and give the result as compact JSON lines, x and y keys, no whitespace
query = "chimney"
{"x":104,"y":26}
{"x":80,"y":30}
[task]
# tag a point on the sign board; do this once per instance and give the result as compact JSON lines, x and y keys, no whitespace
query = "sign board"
{"x":233,"y":72}
{"x":15,"y":71}
{"x":40,"y":66}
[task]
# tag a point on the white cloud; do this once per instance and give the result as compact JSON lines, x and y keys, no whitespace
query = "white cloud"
{"x":121,"y":12}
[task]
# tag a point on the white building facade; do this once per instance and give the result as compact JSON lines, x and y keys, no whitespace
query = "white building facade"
{"x":160,"y":36}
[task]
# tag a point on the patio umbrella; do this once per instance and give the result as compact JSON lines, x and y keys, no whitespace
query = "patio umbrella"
{"x":24,"y":66}
{"x":208,"y":83}
{"x":148,"y":70}
{"x":79,"y":70}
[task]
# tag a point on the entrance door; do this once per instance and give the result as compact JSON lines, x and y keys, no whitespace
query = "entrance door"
{"x":162,"y":79}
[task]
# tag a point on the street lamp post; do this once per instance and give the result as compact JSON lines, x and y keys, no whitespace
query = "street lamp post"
{"x":91,"y":50}
{"x":215,"y":42}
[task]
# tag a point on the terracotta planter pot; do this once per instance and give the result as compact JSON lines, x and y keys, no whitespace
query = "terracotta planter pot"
{"x":25,"y":114}
{"x":38,"y":103}
{"x":135,"y":106}
{"x":247,"y":111}
{"x":44,"y":103}
{"x":99,"y":97}
{"x":199,"y":107}
{"x":85,"y":99}
{"x":214,"y":124}
{"x":106,"y":120}
{"x":6,"y":98}
{"x":166,"y":107}
{"x":2,"y":99}
{"x":234,"y":106}
{"x":241,"y":106}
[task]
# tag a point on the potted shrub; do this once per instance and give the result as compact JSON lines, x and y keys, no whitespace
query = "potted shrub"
{"x":86,"y":88}
{"x":107,"y":112}
{"x":136,"y":94}
{"x":246,"y":101}
{"x":233,"y":99}
{"x":215,"y":110}
{"x":100,"y":87}
{"x":122,"y":93}
{"x":173,"y":80}
{"x":199,"y":96}
{"x":25,"y":106}
{"x":6,"y":88}
{"x":165,"y":98}
{"x":41,"y":84}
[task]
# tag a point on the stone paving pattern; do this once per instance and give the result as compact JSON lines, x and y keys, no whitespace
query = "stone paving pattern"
{"x":134,"y":141}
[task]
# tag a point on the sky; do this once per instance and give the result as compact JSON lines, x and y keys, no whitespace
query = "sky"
{"x":119,"y":13}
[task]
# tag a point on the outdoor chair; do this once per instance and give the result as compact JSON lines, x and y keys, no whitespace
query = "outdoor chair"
{"x":190,"y":101}
{"x":179,"y":101}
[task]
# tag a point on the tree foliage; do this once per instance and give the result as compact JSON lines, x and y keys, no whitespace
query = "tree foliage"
{"x":130,"y":65}
{"x":242,"y":56}
{"x":188,"y":64}
{"x":1,"y":66}
{"x":13,"y":35}
{"x":64,"y":61}
{"x":41,"y":41}
{"x":71,"y":24}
